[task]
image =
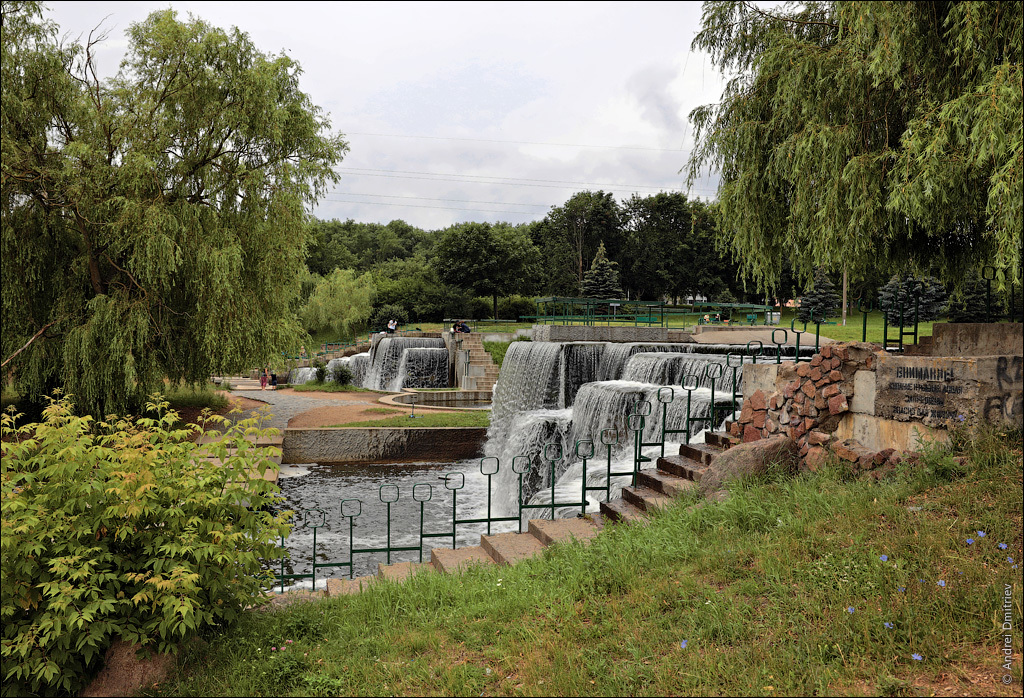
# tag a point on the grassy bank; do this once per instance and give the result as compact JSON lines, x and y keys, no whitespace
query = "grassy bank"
{"x":428,"y":418}
{"x":817,"y":584}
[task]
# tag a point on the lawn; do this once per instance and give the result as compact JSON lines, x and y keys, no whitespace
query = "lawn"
{"x":428,"y":418}
{"x":820,"y":584}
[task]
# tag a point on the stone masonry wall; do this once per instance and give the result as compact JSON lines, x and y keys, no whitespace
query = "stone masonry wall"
{"x":808,"y":402}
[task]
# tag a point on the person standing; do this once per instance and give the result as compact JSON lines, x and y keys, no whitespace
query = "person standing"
{"x":264,"y":375}
{"x":392,"y":326}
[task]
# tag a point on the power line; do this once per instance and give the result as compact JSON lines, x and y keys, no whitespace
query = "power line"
{"x":446,"y":208}
{"x":496,"y":140}
{"x":429,"y":198}
{"x":504,"y":181}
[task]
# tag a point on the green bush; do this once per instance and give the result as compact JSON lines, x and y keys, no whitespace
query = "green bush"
{"x":320,"y":371}
{"x":383,"y":314}
{"x":515,"y":307}
{"x":122,"y":529}
{"x":342,"y":374}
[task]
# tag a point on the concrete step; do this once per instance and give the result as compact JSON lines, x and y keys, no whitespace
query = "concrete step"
{"x":548,"y":531}
{"x":342,"y":587}
{"x":721,"y":438}
{"x":702,"y":453}
{"x":666,"y":483}
{"x":645,"y":498}
{"x":510,"y":548}
{"x":452,"y":561}
{"x":683,"y":467}
{"x":622,"y":511}
{"x":400,"y":571}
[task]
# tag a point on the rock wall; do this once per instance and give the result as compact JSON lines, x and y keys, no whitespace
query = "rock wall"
{"x":411,"y":444}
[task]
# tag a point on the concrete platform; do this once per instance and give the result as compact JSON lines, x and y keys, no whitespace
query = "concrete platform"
{"x":343,"y":587}
{"x":453,"y":561}
{"x":510,"y":548}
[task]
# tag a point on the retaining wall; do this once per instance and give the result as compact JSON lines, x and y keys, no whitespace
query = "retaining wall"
{"x":398,"y":444}
{"x":597,"y":333}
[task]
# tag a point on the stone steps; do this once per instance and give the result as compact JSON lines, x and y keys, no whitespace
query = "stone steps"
{"x":674,"y":477}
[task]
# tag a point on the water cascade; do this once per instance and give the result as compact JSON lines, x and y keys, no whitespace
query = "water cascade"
{"x":386,"y":360}
{"x":421,"y":367}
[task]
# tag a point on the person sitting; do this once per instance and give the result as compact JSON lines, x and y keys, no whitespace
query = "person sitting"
{"x":464,"y":328}
{"x":460,"y":327}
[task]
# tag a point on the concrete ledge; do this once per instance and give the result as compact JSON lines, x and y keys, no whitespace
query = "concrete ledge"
{"x":876,"y":433}
{"x":398,"y":444}
{"x":599,"y":333}
{"x":440,"y":399}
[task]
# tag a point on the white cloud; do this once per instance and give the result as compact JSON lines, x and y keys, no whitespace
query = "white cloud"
{"x":601,"y":74}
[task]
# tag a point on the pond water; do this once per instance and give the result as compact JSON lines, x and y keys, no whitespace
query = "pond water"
{"x":322,"y":486}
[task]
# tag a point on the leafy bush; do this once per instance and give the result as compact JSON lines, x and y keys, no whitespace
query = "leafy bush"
{"x":320,"y":371}
{"x":342,"y":374}
{"x":123,"y":529}
{"x":382,"y":314}
{"x":515,"y":307}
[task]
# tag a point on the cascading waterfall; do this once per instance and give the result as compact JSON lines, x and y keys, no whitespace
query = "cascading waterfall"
{"x":532,"y":383}
{"x":298,"y":376}
{"x":421,"y":368}
{"x":387,"y":357}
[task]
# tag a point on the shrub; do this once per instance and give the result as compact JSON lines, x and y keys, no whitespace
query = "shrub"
{"x":515,"y":307}
{"x":320,"y":371}
{"x":342,"y":374}
{"x":382,"y":314}
{"x":122,"y":529}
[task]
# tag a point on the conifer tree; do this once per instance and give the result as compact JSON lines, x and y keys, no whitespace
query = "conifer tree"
{"x":931,"y":299}
{"x":820,"y":302}
{"x":602,"y":279}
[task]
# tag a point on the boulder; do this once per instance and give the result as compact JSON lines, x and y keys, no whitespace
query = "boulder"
{"x":745,"y":460}
{"x":124,"y":673}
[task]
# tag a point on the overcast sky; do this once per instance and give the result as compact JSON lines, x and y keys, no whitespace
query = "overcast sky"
{"x":474,"y":111}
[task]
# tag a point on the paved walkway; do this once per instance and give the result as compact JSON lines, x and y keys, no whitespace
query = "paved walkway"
{"x":284,"y":406}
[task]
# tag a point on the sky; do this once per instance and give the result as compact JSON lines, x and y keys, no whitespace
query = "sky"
{"x":474,"y":111}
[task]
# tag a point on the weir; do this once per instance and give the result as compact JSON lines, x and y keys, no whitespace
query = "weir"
{"x":385,"y":368}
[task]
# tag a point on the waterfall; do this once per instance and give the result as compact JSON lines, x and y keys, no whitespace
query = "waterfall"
{"x":387,"y":357}
{"x":298,"y":376}
{"x":527,"y":382}
{"x":578,"y":364}
{"x":421,"y":367}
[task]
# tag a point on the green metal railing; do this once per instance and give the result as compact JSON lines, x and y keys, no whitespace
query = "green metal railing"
{"x":584,"y":450}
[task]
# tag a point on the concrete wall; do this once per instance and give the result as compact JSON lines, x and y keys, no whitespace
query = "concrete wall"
{"x":407,"y":445}
{"x":977,"y":339}
{"x":597,"y":333}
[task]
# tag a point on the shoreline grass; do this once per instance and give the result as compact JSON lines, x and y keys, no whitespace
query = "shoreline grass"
{"x":818,"y":584}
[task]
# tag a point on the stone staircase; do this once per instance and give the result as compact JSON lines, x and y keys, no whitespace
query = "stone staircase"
{"x":497,"y":549}
{"x":674,"y":476}
{"x":482,"y":372}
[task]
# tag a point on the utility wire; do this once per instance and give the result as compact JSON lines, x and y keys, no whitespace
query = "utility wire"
{"x":495,"y":140}
{"x":428,"y":198}
{"x":504,"y":181}
{"x":446,"y":208}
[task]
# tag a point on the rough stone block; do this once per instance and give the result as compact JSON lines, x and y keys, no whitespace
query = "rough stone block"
{"x":803,"y":370}
{"x":815,"y":458}
{"x":787,"y":372}
{"x":773,"y":401}
{"x":815,"y":374}
{"x":830,"y":391}
{"x":883,"y":455}
{"x":820,"y":402}
{"x":760,"y":416}
{"x":837,"y":404}
{"x":757,"y":401}
{"x":835,"y":376}
{"x":799,"y":398}
{"x":817,"y":438}
{"x":734,"y":428}
{"x":845,"y":451}
{"x":826,"y":351}
{"x":808,"y":424}
{"x":835,"y":363}
{"x":816,"y":360}
{"x":808,"y":388}
{"x":751,"y":433}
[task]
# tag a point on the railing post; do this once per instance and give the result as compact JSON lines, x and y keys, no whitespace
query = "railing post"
{"x":735,"y":369}
{"x":497,"y":466}
{"x":520,"y":469}
{"x":422,"y":500}
{"x":552,"y":454}
{"x":671,"y":395}
{"x":689,"y":385}
{"x":586,"y":452}
{"x":448,"y":479}
{"x":609,"y":437}
{"x":635,"y":423}
{"x":306,"y":523}
{"x":388,"y":502}
{"x":778,"y":344}
{"x":864,"y":312}
{"x":351,"y":530}
{"x":988,"y":274}
{"x":712,"y":375}
{"x":794,"y":330}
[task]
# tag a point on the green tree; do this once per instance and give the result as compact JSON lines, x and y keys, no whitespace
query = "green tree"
{"x":490,"y":260}
{"x":587,"y":219}
{"x":864,"y":134}
{"x":927,"y":294}
{"x":153,"y":223}
{"x":338,"y":303}
{"x":820,"y":302}
{"x":602,"y":279}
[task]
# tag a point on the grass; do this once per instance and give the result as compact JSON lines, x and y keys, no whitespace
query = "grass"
{"x":497,"y":350}
{"x":195,"y":397}
{"x":476,"y":418}
{"x":782,"y":589}
{"x":330,"y":388}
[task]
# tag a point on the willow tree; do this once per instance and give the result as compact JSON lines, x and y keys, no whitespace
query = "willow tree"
{"x":154,"y":223}
{"x":858,"y":134}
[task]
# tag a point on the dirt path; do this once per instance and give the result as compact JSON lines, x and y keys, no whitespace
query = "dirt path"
{"x":348,"y":407}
